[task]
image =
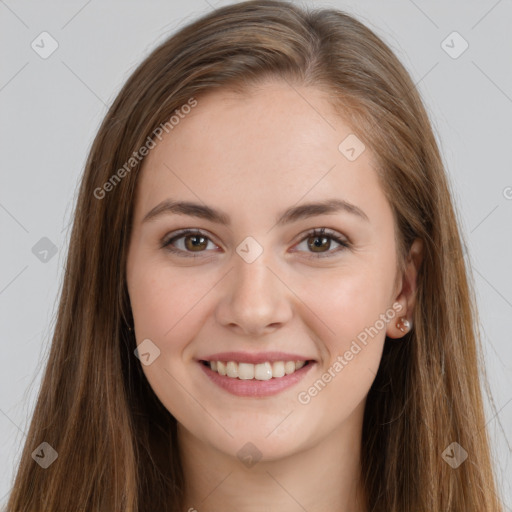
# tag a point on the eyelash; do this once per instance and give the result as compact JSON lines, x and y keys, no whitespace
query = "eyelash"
{"x":166,"y":244}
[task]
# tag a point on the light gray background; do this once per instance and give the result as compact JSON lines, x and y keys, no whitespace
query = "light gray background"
{"x":51,"y":109}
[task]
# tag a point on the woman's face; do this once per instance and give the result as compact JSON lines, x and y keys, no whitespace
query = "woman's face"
{"x":254,"y":282}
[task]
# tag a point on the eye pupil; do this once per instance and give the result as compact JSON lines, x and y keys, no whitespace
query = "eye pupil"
{"x":194,"y":244}
{"x":316,"y":245}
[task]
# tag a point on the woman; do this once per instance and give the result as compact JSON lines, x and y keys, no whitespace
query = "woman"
{"x":209,"y":354}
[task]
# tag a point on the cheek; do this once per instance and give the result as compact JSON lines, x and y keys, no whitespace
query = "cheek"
{"x":166,"y":310}
{"x":164,"y":303}
{"x":350,"y":317}
{"x":347,"y":305}
{"x":354,"y":305}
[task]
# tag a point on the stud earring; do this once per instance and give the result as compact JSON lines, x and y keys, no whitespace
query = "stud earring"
{"x":403,"y":324}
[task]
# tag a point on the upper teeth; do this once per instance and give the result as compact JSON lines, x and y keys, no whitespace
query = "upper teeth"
{"x":261,"y":371}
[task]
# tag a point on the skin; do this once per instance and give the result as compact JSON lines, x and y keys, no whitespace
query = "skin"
{"x":253,"y":156}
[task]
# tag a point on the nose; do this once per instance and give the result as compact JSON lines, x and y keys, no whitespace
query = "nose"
{"x":255,"y":299}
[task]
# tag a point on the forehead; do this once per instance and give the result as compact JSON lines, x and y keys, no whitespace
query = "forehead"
{"x":270,"y":146}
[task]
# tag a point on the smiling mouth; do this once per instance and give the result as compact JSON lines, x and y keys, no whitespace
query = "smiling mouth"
{"x":261,"y":371}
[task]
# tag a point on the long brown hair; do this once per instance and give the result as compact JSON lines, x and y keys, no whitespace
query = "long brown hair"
{"x":116,"y":443}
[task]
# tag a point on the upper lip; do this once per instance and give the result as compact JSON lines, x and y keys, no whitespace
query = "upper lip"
{"x":255,"y":358}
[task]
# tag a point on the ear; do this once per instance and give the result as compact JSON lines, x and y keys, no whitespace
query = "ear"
{"x":406,"y":295}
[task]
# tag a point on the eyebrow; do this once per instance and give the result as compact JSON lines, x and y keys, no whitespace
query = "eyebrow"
{"x":292,"y":214}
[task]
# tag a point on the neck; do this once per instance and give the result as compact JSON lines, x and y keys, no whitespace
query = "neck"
{"x":319,"y":477}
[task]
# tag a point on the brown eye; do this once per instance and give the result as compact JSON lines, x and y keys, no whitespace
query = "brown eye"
{"x":187,"y":242}
{"x":195,"y":242}
{"x":319,"y":242}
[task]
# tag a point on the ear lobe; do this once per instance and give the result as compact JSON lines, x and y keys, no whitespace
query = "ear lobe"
{"x":407,"y":295}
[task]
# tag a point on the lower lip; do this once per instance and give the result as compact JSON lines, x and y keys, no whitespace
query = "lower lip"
{"x":256,"y":388}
